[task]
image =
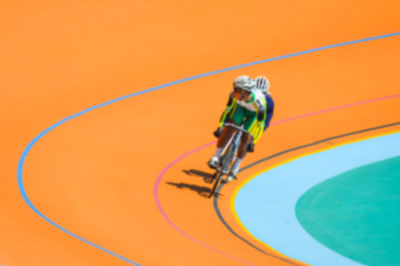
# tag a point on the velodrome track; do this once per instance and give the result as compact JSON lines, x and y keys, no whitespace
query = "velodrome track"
{"x":108,"y":110}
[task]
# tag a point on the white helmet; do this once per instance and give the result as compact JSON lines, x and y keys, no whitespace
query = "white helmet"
{"x":244,"y":83}
{"x":262,"y":84}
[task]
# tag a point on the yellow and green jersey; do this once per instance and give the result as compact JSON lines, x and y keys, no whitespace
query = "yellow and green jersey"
{"x":251,"y":114}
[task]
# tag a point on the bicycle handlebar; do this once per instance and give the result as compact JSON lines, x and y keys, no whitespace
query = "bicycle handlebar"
{"x":238,"y":128}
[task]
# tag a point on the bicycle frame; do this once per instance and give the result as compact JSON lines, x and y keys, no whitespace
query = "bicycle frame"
{"x":228,"y":155}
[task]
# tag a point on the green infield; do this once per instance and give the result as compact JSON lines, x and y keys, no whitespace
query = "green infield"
{"x":357,"y":213}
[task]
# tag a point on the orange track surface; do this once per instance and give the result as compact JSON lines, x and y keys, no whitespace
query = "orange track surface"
{"x":95,"y":175}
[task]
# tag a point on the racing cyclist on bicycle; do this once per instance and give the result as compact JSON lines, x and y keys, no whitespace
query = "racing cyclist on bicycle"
{"x":262,"y":84}
{"x":246,"y":106}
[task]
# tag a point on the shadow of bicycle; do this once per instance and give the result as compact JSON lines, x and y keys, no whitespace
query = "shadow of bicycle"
{"x":207,"y":177}
{"x":202,"y":191}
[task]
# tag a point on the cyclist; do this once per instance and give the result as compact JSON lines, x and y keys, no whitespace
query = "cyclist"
{"x":247,"y":106}
{"x":262,"y":84}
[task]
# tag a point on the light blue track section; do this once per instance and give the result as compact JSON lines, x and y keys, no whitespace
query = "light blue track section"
{"x":266,"y":205}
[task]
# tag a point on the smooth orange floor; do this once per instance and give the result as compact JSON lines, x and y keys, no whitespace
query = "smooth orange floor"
{"x":95,"y":175}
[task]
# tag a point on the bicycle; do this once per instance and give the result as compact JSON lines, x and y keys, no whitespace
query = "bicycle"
{"x":228,"y":156}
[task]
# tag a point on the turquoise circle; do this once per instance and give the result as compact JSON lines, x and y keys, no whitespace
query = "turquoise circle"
{"x":357,"y":213}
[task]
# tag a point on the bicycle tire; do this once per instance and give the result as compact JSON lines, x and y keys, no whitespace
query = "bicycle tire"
{"x":218,"y":179}
{"x":225,"y":161}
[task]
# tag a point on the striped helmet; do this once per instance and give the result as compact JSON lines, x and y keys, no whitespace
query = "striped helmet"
{"x":244,"y":83}
{"x":262,"y":84}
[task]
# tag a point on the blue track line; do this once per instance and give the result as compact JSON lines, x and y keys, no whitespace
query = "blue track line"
{"x":43,"y":133}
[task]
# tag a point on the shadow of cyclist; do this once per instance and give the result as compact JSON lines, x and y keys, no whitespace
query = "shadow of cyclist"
{"x":207,"y":177}
{"x":202,"y":191}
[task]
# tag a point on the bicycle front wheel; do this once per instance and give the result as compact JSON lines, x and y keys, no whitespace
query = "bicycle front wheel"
{"x":218,"y":179}
{"x":225,"y":165}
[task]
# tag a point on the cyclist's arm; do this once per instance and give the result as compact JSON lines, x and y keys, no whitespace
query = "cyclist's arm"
{"x":261,"y":110}
{"x":229,"y":107}
{"x":270,"y":110}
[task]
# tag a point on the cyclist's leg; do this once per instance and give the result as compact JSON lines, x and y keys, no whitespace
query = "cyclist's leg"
{"x":236,"y":117}
{"x":249,"y":122}
{"x":256,"y":133}
{"x":251,"y":125}
{"x":226,"y":133}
